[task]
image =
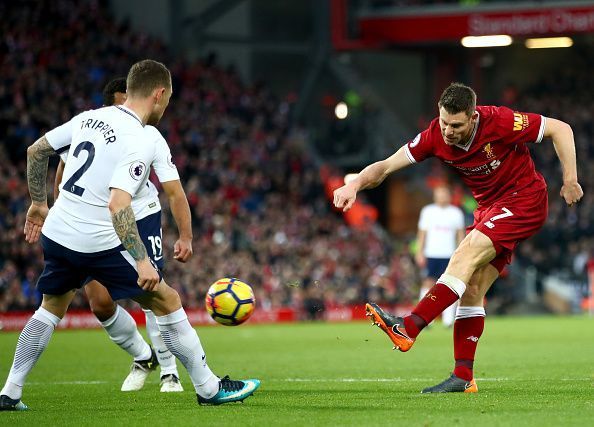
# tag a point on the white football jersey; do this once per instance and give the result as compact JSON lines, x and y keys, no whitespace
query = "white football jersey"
{"x":441,"y":225}
{"x":107,"y":148}
{"x":146,"y":200}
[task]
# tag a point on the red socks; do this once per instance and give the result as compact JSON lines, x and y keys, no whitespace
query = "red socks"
{"x":468,"y":328}
{"x":446,"y":291}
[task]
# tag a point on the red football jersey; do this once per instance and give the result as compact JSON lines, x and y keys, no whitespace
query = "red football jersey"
{"x":495,"y":161}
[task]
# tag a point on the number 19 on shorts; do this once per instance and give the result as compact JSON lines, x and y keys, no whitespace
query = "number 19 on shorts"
{"x":157,"y":247}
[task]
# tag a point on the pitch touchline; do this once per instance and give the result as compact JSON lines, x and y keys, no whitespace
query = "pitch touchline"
{"x":66,"y":382}
{"x":332,"y":380}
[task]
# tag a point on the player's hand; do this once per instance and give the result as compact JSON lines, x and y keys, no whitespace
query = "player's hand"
{"x":148,"y":277}
{"x":34,"y":221}
{"x":182,"y":250}
{"x":420,"y":260}
{"x":345,"y":196}
{"x":571,"y":192}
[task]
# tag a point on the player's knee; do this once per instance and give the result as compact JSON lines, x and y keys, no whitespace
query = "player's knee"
{"x":173,"y":298}
{"x":102,"y":309}
{"x":472,"y":294}
{"x":474,"y":251}
{"x":165,"y":301}
{"x":171,"y":301}
{"x":57,"y":304}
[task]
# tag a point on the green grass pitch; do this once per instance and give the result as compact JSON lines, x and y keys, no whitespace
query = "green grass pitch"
{"x":536,"y":371}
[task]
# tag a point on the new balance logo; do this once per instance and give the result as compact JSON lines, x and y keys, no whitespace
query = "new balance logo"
{"x":473,"y":338}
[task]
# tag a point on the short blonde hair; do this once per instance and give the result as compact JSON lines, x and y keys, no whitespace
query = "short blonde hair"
{"x":145,"y":76}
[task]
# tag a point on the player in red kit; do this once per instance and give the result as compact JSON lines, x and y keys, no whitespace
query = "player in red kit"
{"x":486,"y":146}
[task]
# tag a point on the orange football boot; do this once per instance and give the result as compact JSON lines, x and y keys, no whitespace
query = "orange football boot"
{"x":391,"y":325}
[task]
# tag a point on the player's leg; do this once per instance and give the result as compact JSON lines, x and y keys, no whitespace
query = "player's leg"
{"x":61,"y":273}
{"x":468,"y":328}
{"x":100,"y":302}
{"x":435,"y":268}
{"x":470,"y":320}
{"x":169,"y":374}
{"x":474,"y":251}
{"x":426,"y":284}
{"x":31,"y":343}
{"x":122,"y":330}
{"x":182,"y":340}
{"x":449,"y":314}
{"x":178,"y":335}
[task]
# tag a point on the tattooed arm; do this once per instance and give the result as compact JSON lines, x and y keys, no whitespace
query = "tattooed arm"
{"x":126,"y":229}
{"x":124,"y":223}
{"x":37,"y":159}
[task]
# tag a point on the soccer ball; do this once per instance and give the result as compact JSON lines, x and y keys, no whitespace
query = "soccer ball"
{"x":230,"y":301}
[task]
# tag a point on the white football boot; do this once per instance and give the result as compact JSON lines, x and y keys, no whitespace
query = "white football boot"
{"x":170,"y":384}
{"x":139,"y":372}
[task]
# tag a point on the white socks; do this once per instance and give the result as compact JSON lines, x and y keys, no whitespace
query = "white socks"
{"x":166,"y":359}
{"x":466,"y":312}
{"x":32,"y":341}
{"x":122,"y":330}
{"x":182,"y":340}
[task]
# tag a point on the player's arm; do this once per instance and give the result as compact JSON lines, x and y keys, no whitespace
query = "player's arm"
{"x":563,"y":140}
{"x":124,"y":223}
{"x":460,"y":235}
{"x":37,"y":159}
{"x":180,"y":209}
{"x":58,"y":180}
{"x":370,"y":177}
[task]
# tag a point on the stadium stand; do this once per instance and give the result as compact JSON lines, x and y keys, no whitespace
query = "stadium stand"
{"x":259,"y":210}
{"x":258,"y":202}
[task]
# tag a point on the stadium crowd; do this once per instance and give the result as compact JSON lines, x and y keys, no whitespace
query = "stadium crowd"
{"x":566,"y":242}
{"x":259,"y":209}
{"x":259,"y":212}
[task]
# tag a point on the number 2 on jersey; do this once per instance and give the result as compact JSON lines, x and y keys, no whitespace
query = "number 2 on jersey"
{"x":70,"y":185}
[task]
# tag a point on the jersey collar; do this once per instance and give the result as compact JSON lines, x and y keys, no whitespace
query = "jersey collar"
{"x":466,"y":146}
{"x":130,"y":112}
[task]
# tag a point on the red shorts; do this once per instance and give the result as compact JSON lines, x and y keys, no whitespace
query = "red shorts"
{"x":510,"y":220}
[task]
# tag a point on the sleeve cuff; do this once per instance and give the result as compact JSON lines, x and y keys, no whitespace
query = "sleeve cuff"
{"x":543,"y":123}
{"x":409,"y":155}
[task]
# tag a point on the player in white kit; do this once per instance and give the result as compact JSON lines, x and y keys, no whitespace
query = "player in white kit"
{"x":441,"y":229}
{"x":91,"y":231}
{"x":116,"y":321}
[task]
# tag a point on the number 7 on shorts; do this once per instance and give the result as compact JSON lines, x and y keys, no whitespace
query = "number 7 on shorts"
{"x":506,"y":213}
